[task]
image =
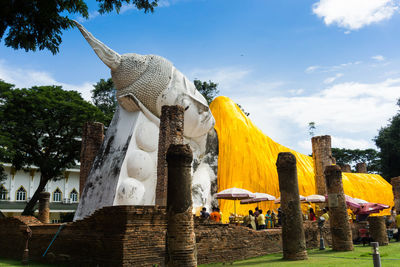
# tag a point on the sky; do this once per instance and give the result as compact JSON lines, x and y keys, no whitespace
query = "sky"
{"x":286,"y":62}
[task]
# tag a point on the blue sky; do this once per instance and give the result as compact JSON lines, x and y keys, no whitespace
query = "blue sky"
{"x":287,"y":62}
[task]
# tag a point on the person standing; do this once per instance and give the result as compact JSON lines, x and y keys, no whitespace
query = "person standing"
{"x":268,"y":219}
{"x":261,"y":221}
{"x":312,"y":215}
{"x":215,"y":215}
{"x":398,"y":227}
{"x":273,"y":219}
{"x":204,"y":214}
{"x":252,"y":220}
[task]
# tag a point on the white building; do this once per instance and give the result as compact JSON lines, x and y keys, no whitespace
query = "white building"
{"x":20,"y":186}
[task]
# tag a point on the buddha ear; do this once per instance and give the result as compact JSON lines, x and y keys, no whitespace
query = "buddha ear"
{"x":111,"y":58}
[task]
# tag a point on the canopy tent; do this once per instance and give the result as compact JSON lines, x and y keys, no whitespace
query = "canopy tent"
{"x":247,"y":159}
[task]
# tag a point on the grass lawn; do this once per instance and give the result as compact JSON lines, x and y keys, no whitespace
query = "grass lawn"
{"x":9,"y":263}
{"x":361,"y":256}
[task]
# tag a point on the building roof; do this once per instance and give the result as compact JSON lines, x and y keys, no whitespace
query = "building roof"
{"x":18,"y":206}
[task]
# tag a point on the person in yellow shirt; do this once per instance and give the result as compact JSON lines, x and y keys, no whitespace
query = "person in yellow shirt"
{"x":325,"y":215}
{"x":398,"y":227}
{"x":261,"y":220}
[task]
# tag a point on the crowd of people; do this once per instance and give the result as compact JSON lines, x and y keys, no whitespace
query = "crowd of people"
{"x":214,"y":216}
{"x":258,"y":221}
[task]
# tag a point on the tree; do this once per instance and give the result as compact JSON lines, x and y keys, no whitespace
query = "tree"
{"x":104,"y":97}
{"x":37,"y":24}
{"x":311,"y":128}
{"x":42,"y":127}
{"x":208,"y":89}
{"x":353,"y":156}
{"x":388,"y":141}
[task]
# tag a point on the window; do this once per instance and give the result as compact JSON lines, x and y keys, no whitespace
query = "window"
{"x":3,"y":193}
{"x":57,"y":195}
{"x":73,"y":196}
{"x":21,"y":194}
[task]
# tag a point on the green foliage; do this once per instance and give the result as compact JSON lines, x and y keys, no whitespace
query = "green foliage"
{"x":388,"y":141}
{"x":352,"y":156}
{"x":311,"y":128}
{"x":42,"y":126}
{"x":36,"y":24}
{"x":208,"y":89}
{"x":104,"y":97}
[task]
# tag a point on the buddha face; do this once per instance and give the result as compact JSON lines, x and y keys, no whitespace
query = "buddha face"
{"x":198,"y":119}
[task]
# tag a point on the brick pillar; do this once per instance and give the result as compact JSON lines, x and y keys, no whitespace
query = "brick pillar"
{"x":340,"y":226}
{"x":293,"y":238}
{"x":395,"y":181}
{"x":322,"y":155}
{"x":171,"y":132}
{"x":377,"y":230}
{"x":44,"y":207}
{"x":361,"y":167}
{"x":181,"y":240}
{"x":92,"y":138}
{"x":345,"y":168}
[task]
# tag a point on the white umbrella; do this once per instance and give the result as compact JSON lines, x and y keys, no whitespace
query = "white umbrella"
{"x":315,"y":199}
{"x":360,"y":201}
{"x":234,"y":194}
{"x":259,"y":197}
{"x":279,"y":199}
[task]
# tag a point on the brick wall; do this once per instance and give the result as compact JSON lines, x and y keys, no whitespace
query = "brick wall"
{"x":135,"y":236}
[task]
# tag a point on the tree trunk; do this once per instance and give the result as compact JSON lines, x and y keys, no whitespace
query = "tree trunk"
{"x":28,"y":211}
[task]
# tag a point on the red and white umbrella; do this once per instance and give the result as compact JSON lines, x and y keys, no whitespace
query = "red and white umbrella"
{"x":351,"y":202}
{"x":302,"y":198}
{"x":259,"y":197}
{"x":234,"y":194}
{"x":360,"y":201}
{"x":315,"y":199}
{"x":369,"y":208}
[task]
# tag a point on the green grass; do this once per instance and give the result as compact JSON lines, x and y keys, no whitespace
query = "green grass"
{"x":9,"y":263}
{"x":360,"y":257}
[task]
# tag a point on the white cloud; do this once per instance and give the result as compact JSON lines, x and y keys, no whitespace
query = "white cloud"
{"x":349,"y":143}
{"x":324,"y":69}
{"x":332,"y":79}
{"x":378,"y":58}
{"x":354,"y":14}
{"x":352,"y":112}
{"x":25,"y":78}
{"x":296,"y":91}
{"x":311,"y":69}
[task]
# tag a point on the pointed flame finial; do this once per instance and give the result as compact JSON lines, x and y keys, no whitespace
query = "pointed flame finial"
{"x":111,"y":58}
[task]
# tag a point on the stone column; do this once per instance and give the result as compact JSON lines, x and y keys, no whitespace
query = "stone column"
{"x":181,"y":241}
{"x":293,"y":238}
{"x":395,"y":181}
{"x":339,"y":221}
{"x":44,"y":207}
{"x":171,"y":132}
{"x":92,"y":139}
{"x":377,"y":230}
{"x":345,"y":168}
{"x":361,"y":167}
{"x":322,"y":155}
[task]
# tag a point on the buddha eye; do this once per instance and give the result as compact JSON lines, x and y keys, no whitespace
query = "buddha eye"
{"x":186,"y":104}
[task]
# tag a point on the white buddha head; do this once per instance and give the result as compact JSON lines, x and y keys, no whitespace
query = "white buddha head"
{"x":155,"y":82}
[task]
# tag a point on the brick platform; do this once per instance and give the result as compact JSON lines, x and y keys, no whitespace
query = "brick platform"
{"x":136,"y":236}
